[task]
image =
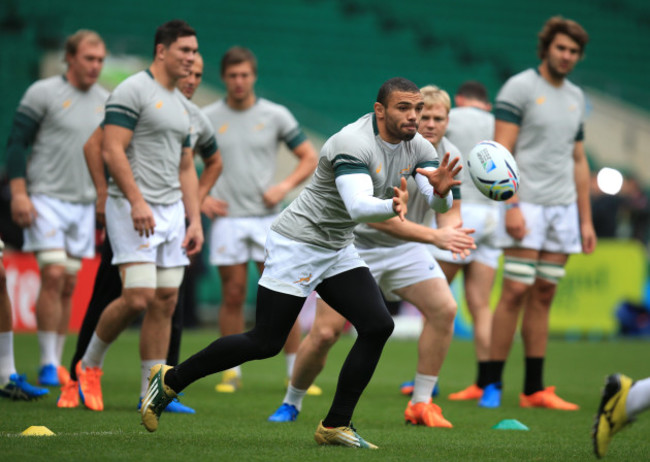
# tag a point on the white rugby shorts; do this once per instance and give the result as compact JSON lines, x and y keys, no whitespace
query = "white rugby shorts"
{"x":552,"y":228}
{"x":61,"y":225}
{"x":296,"y":268}
{"x":398,"y":267}
{"x":484,"y":219}
{"x":235,"y":240}
{"x":162,"y":248}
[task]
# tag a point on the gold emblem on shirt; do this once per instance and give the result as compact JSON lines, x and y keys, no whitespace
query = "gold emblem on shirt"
{"x":259,"y":126}
{"x":66,"y":104}
{"x":573,"y":107}
{"x":159,"y":104}
{"x":541,"y":100}
{"x":223,"y":128}
{"x":378,"y":169}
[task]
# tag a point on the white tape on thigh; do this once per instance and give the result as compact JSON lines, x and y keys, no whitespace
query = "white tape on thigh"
{"x":139,"y":276}
{"x":550,"y":272}
{"x":51,"y":257}
{"x":170,"y":277}
{"x":520,"y":270}
{"x":72,"y":265}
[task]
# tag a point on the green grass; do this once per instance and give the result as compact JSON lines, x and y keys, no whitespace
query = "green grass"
{"x":234,"y":427}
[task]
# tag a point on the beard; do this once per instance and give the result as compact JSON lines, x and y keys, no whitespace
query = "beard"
{"x":394,"y":130}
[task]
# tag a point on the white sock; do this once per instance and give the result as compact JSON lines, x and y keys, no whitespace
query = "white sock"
{"x":60,"y":343}
{"x":145,"y":367}
{"x":291,"y":360}
{"x":423,"y":388}
{"x":236,"y":370}
{"x":7,"y":365}
{"x":638,"y":398}
{"x":95,"y":352}
{"x":294,"y":396}
{"x":47,"y":345}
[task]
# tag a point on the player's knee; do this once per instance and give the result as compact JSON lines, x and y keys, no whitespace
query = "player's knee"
{"x":139,"y":299}
{"x":166,"y":299}
{"x":234,"y":294}
{"x":380,"y":328}
{"x":325,"y":337}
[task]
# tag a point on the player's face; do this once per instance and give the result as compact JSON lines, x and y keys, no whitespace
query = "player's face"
{"x":433,"y":123}
{"x":239,"y":80}
{"x":562,"y":55}
{"x":188,"y":85}
{"x":401,"y":115}
{"x":86,"y":65}
{"x":180,"y":56}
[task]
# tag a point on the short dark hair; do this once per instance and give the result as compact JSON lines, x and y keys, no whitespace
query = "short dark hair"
{"x":473,"y":89}
{"x":238,"y":55}
{"x":171,"y":31}
{"x":395,"y":84}
{"x":560,"y":25}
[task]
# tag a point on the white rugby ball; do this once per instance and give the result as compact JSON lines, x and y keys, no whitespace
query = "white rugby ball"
{"x":493,"y":170}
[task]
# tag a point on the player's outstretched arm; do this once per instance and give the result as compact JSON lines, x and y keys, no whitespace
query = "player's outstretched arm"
{"x":453,"y":238}
{"x":356,"y":191}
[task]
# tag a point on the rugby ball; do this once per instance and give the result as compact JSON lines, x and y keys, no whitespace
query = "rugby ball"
{"x":493,"y":170}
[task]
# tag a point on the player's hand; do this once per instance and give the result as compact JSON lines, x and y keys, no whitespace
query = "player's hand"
{"x":213,"y":208}
{"x":274,"y":195}
{"x":444,"y":177}
{"x":588,"y":238}
{"x":143,"y":220}
{"x":23,"y":212}
{"x":100,"y":208}
{"x":400,"y":199}
{"x":456,"y":239}
{"x":193,"y":239}
{"x":515,"y":223}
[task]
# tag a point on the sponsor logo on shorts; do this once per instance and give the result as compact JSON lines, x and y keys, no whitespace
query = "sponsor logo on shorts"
{"x":51,"y":233}
{"x":431,"y":266}
{"x":144,"y":246}
{"x":306,"y":279}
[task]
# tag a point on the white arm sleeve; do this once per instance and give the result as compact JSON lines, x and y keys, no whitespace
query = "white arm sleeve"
{"x":356,"y":191}
{"x":437,"y":203}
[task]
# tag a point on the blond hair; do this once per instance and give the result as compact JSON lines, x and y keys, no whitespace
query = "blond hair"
{"x":73,"y":41}
{"x":433,"y":95}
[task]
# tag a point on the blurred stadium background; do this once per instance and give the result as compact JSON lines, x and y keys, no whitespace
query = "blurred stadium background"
{"x":325,"y":59}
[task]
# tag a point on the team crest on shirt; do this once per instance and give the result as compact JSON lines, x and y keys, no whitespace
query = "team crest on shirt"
{"x":66,"y":104}
{"x":223,"y":129}
{"x":159,"y":104}
{"x":99,"y":109}
{"x":541,"y":100}
{"x":259,"y":126}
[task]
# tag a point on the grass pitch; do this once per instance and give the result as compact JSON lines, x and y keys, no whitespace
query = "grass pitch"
{"x":234,"y":427}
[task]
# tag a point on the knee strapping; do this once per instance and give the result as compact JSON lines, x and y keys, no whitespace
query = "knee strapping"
{"x":550,"y":272}
{"x":72,"y":265}
{"x":170,"y":277}
{"x":51,"y":257}
{"x":139,"y":276}
{"x":520,"y":270}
